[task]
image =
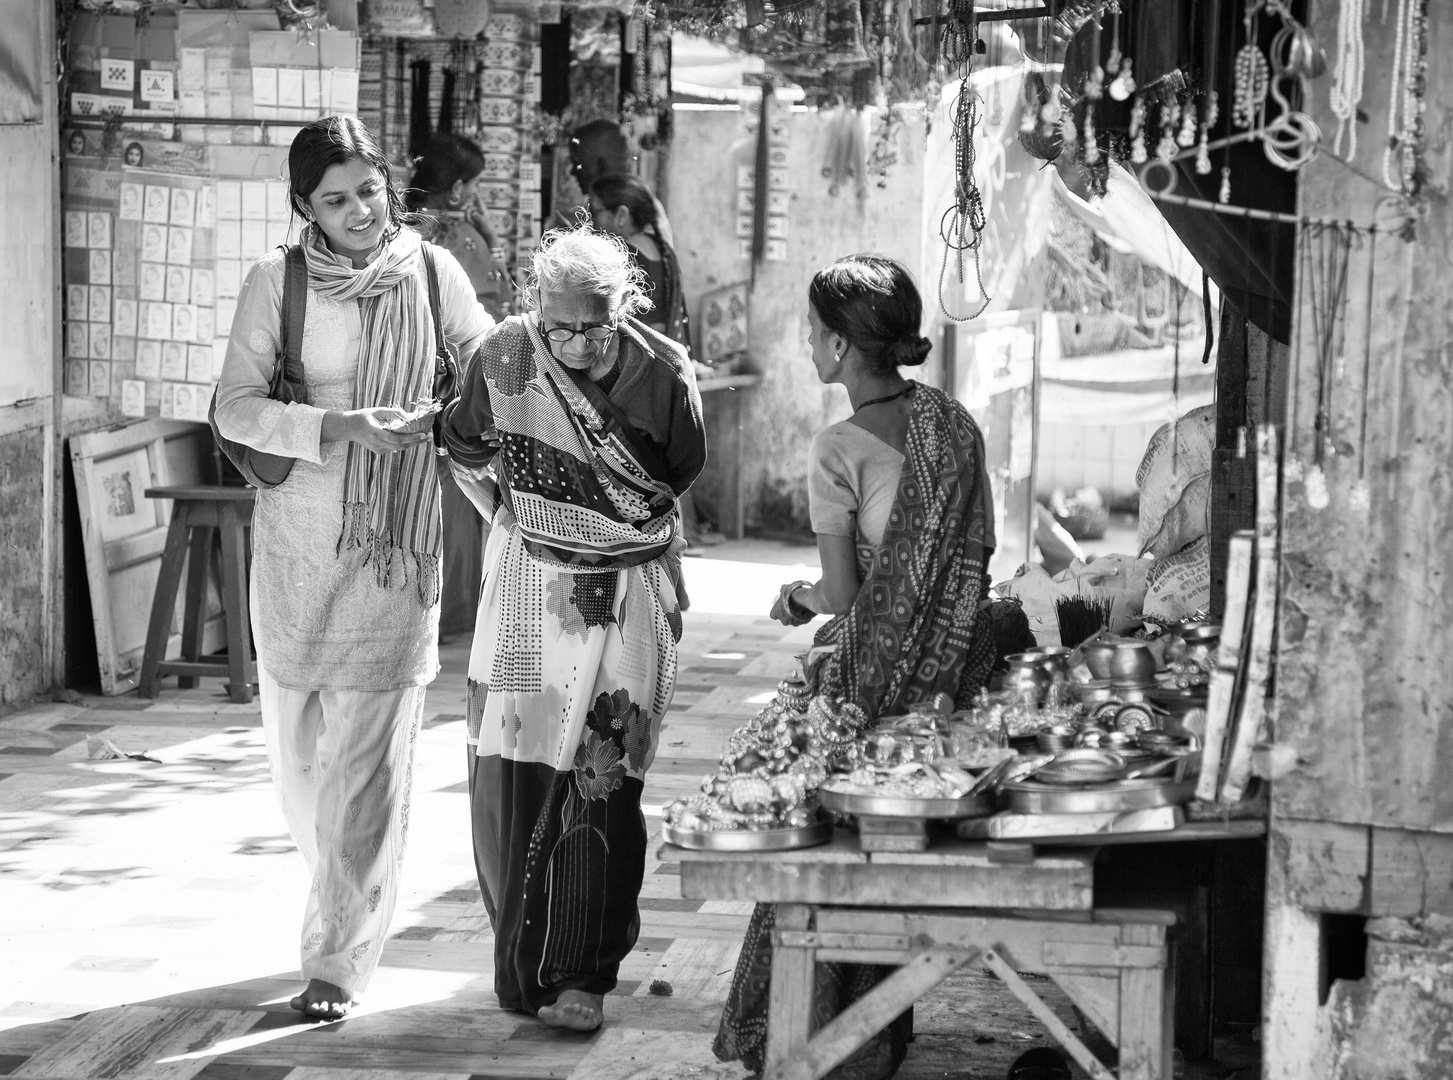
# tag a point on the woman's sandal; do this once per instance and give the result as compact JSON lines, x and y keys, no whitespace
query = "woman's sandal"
{"x":1040,"y":1063}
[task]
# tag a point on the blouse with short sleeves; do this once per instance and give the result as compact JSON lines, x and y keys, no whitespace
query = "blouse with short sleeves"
{"x":851,"y":484}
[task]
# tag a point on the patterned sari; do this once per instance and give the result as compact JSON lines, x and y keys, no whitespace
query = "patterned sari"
{"x":915,"y":630}
{"x":574,"y":659}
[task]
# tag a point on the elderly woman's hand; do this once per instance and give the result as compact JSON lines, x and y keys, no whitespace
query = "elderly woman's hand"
{"x":384,"y":430}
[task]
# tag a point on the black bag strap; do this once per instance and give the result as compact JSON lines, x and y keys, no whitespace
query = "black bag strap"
{"x":433,"y":275}
{"x":289,"y":369}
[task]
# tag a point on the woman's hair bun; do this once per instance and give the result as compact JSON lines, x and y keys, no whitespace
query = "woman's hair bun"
{"x":909,"y":351}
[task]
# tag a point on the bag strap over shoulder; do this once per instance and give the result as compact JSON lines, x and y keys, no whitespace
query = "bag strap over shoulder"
{"x":294,"y":315}
{"x":432,"y":273}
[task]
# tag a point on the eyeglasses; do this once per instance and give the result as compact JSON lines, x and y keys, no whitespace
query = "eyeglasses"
{"x":596,"y":335}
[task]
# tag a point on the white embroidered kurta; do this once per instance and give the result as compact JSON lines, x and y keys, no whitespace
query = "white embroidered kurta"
{"x":320,"y":619}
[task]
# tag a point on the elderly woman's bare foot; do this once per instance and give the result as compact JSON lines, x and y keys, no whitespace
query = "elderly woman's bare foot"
{"x":575,"y":1010}
{"x":322,"y":1001}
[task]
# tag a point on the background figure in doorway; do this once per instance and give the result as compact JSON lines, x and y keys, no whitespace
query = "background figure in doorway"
{"x":596,"y":149}
{"x":900,"y":501}
{"x":445,"y":194}
{"x":622,"y":205}
{"x":575,"y":431}
{"x":345,"y":561}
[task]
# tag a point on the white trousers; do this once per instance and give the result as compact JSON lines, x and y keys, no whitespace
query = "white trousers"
{"x":342,"y":765}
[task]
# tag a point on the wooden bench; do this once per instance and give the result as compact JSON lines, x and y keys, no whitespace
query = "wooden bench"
{"x":199,"y":512}
{"x":932,"y":913}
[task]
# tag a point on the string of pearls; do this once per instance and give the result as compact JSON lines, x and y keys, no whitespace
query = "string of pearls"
{"x":1347,"y":79}
{"x":1397,"y":98}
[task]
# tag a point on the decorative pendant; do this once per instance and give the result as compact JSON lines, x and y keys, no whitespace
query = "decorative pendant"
{"x":1292,"y":471}
{"x":1359,"y":499}
{"x":1253,"y":78}
{"x":1224,"y":195}
{"x":1318,"y":497}
{"x":1165,"y":150}
{"x":1203,"y":155}
{"x":1187,"y":134}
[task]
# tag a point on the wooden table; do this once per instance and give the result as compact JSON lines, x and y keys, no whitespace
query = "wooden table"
{"x":933,"y":912}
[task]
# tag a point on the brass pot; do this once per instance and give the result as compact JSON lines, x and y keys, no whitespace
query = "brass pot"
{"x":1097,"y":656}
{"x":1027,"y":675}
{"x":1132,"y":663}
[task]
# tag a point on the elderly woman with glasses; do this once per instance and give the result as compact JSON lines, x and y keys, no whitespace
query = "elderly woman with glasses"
{"x":576,"y":430}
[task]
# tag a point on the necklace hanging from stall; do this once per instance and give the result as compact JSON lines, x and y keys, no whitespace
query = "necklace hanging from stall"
{"x":1360,"y":499}
{"x":1326,"y":275}
{"x":963,"y":224}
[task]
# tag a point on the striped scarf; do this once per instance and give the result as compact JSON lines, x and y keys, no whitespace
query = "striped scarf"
{"x":390,"y":501}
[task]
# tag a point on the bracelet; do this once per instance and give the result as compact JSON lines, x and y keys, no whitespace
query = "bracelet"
{"x":799,"y":611}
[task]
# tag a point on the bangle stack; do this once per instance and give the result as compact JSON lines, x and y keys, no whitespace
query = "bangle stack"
{"x":798,"y":611}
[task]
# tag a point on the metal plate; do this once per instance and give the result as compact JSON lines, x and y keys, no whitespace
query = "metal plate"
{"x":749,"y":839}
{"x":890,"y":806}
{"x":1028,"y":797}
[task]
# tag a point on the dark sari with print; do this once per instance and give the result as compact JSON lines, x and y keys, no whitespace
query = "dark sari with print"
{"x":915,"y":630}
{"x":574,"y":659}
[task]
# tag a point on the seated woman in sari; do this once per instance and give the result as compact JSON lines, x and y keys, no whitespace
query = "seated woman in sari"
{"x":575,"y":431}
{"x":899,"y":498}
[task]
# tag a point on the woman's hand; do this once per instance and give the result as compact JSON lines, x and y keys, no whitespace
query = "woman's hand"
{"x":791,"y":612}
{"x":386,"y":429}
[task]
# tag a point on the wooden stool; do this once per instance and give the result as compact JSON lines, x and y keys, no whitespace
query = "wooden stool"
{"x":198,"y":510}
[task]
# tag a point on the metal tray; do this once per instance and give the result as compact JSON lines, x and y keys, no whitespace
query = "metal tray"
{"x":1029,"y":797}
{"x":890,"y":806}
{"x":749,"y":839}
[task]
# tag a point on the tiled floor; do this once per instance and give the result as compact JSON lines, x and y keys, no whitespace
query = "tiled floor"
{"x":150,"y":908}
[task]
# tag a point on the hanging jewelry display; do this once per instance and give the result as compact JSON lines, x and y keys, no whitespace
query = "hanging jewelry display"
{"x":1327,"y":287}
{"x":1252,"y":75}
{"x":1209,"y":116}
{"x":1360,"y":499}
{"x":1187,"y":134}
{"x":1166,"y":149}
{"x":963,"y":223}
{"x":1346,"y":90}
{"x":1292,"y":138}
{"x":1402,"y":156}
{"x":1138,"y":154}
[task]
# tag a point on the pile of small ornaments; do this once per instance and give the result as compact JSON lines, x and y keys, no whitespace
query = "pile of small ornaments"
{"x":769,"y":776}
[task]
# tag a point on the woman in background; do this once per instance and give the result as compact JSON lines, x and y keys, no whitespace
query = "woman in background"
{"x":444,"y":194}
{"x":345,"y":561}
{"x":622,"y":205}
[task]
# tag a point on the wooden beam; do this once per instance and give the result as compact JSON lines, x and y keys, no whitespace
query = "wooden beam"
{"x":1046,"y":1016}
{"x":1411,"y":873}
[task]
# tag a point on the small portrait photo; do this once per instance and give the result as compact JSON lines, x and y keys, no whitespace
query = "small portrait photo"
{"x":148,"y":359}
{"x":199,"y":363}
{"x":124,"y":317}
{"x":204,"y":287}
{"x":184,"y":322}
{"x":178,"y":284}
{"x":153,"y":281}
{"x":98,"y":232}
{"x":134,"y":155}
{"x":100,"y":341}
{"x":131,"y":200}
{"x":99,"y":303}
{"x":133,"y":397}
{"x":159,"y":321}
{"x":77,"y":302}
{"x":184,"y":206}
{"x":179,"y":245}
{"x":78,"y":340}
{"x":99,"y":267}
{"x":75,"y":228}
{"x":158,"y":207}
{"x":153,"y":243}
{"x":173,"y":360}
{"x":76,"y":144}
{"x":184,"y":402}
{"x":78,"y":378}
{"x":100,"y":378}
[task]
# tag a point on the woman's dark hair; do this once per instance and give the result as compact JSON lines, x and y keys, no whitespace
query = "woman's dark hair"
{"x":615,"y":190}
{"x":446,"y":158}
{"x":871,"y":300}
{"x":335,"y":140}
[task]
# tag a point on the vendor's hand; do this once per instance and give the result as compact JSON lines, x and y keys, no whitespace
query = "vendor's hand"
{"x":386,"y":429}
{"x":784,"y":611}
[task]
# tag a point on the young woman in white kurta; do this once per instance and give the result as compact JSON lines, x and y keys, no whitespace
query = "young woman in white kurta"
{"x":345,"y":571}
